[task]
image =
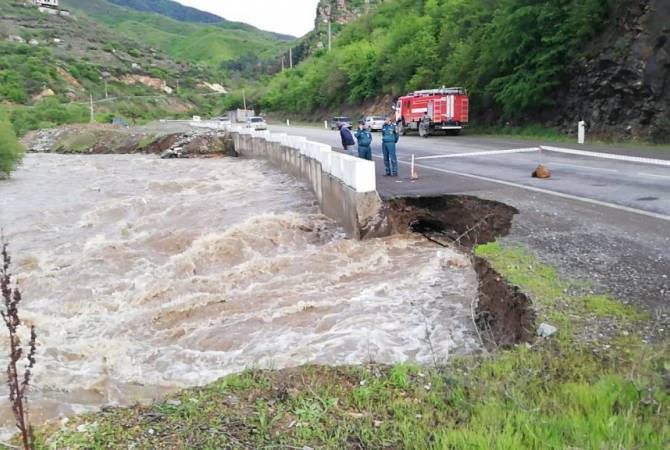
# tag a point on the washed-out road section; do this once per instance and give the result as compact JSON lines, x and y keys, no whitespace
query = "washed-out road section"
{"x":602,"y":220}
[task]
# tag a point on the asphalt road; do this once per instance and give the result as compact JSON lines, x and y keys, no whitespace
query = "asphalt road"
{"x":644,"y":187}
{"x":600,"y":220}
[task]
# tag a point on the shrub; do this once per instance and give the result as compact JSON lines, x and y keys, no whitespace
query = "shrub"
{"x":11,"y":151}
{"x":48,"y":112}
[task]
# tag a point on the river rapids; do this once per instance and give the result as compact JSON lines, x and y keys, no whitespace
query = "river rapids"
{"x":143,"y":276}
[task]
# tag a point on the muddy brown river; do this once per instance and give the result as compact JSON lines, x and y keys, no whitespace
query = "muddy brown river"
{"x":144,"y":276}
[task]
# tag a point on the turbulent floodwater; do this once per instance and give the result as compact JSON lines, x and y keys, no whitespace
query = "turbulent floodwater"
{"x":145,"y":275}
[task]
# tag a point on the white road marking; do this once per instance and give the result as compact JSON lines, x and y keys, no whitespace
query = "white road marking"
{"x":543,"y":191}
{"x":486,"y":153}
{"x":653,"y":175}
{"x":635,"y":159}
{"x":551,"y":163}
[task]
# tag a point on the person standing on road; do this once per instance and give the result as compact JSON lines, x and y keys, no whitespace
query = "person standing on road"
{"x":390,"y":138}
{"x":364,"y":138}
{"x":346,"y":136}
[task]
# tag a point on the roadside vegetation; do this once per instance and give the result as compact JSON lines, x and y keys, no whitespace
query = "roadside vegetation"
{"x":572,"y":390}
{"x":510,"y":54}
{"x":11,"y":150}
{"x":51,"y":66}
{"x":544,"y":133}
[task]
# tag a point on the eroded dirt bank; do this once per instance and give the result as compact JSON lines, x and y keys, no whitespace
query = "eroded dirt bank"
{"x":175,"y":141}
{"x":504,"y":314}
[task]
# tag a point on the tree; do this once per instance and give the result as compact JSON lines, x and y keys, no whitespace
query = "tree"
{"x":11,"y":150}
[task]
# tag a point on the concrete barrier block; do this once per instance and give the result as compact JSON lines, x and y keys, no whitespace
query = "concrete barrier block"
{"x":364,"y":178}
{"x":299,"y":142}
{"x":326,"y":150}
{"x":313,"y":150}
{"x":336,"y":165}
{"x":348,"y":170}
{"x":278,"y":137}
{"x":324,"y":158}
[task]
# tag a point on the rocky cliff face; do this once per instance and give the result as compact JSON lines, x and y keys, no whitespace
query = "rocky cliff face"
{"x":623,"y":89}
{"x":340,"y":11}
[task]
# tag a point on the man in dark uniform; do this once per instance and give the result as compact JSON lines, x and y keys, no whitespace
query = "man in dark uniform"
{"x":364,"y":138}
{"x":390,"y":138}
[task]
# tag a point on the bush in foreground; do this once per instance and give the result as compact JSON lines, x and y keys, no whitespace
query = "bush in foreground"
{"x":11,"y":150}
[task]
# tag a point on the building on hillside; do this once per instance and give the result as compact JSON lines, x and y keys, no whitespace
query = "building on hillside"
{"x":50,"y":7}
{"x":46,"y":3}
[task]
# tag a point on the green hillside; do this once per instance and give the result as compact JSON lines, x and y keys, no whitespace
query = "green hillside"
{"x":200,"y":43}
{"x":51,"y":66}
{"x":171,"y":9}
{"x":139,"y":65}
{"x":177,"y":11}
{"x":510,"y":54}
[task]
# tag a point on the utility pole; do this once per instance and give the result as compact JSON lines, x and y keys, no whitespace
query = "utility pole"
{"x":330,"y":34}
{"x":244,"y":99}
{"x":328,"y":20}
{"x":92,"y":111}
{"x":290,"y":57}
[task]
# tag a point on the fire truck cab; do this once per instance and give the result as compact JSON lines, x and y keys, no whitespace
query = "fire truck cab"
{"x":432,"y":111}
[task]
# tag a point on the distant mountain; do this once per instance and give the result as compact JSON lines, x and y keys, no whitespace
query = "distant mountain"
{"x":177,"y":11}
{"x":206,"y":43}
{"x":171,"y":9}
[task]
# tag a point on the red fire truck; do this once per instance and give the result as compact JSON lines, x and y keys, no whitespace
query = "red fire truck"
{"x":433,"y":110}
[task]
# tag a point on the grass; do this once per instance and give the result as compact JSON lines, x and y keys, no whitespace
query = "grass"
{"x":557,"y":393}
{"x":195,"y":42}
{"x":551,"y":294}
{"x":79,"y":142}
{"x":534,"y":132}
{"x":147,"y":141}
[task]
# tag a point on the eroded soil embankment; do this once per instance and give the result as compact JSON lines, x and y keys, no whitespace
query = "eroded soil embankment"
{"x":504,"y":314}
{"x":106,"y":139}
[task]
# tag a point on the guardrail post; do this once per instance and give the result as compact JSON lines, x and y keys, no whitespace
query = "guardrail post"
{"x":581,"y":132}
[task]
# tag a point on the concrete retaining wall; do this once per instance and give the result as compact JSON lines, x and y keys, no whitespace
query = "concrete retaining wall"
{"x":345,"y":186}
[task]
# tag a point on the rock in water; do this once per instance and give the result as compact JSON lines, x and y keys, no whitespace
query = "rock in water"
{"x":542,"y":172}
{"x":170,"y":153}
{"x":546,"y":330}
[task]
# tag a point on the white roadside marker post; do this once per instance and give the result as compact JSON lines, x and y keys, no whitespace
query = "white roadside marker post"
{"x":288,"y":122}
{"x":325,"y":124}
{"x":413,"y":175}
{"x":581,"y":132}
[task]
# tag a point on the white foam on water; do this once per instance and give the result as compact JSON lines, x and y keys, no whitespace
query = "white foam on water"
{"x":143,"y":276}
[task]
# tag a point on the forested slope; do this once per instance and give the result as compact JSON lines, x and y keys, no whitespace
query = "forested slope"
{"x":207,"y":44}
{"x":518,"y":58}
